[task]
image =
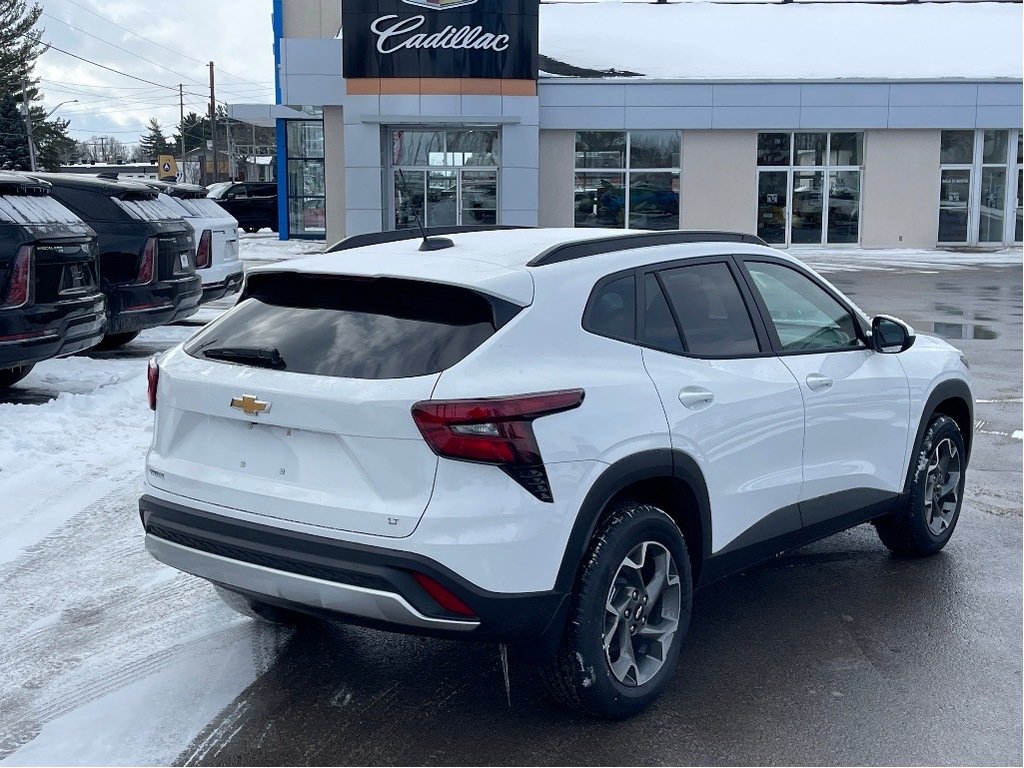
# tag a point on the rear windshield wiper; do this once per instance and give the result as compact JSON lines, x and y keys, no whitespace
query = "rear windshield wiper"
{"x":261,"y":357}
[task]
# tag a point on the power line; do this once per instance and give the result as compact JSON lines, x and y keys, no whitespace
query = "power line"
{"x":158,"y":45}
{"x":120,"y":48}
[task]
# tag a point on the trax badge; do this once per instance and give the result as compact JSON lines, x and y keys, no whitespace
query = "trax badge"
{"x":250,"y":405}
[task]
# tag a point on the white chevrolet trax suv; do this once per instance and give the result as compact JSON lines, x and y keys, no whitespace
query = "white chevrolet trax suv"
{"x":546,"y":438}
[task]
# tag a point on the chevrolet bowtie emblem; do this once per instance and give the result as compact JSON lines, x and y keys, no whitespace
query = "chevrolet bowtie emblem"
{"x":250,"y":405}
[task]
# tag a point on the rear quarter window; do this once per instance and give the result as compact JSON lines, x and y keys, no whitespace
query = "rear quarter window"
{"x":353,"y":328}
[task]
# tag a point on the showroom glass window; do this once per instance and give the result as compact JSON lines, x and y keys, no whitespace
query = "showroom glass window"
{"x":979,"y":187}
{"x":307,"y":210}
{"x":446,"y":177}
{"x":809,"y":187}
{"x":627,"y":179}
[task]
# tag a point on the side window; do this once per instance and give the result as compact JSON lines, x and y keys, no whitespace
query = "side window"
{"x":805,"y":316}
{"x":660,"y":330}
{"x":712,"y":315}
{"x":612,"y":310}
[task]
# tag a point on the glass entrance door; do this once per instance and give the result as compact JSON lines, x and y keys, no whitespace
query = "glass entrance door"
{"x":444,"y":198}
{"x":444,"y":177}
{"x":954,"y":205}
{"x":773,"y":206}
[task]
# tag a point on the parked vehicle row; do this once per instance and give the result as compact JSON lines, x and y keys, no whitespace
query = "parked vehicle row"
{"x":91,"y":262}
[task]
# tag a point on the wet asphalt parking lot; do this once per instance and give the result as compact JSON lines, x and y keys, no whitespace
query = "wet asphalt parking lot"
{"x":837,"y":653}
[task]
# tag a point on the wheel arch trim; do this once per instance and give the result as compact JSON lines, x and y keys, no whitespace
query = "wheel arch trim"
{"x":655,"y":464}
{"x":951,"y":389}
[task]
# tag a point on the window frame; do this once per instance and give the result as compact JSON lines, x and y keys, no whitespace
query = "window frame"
{"x":640,"y":273}
{"x":859,"y":323}
{"x":627,"y":171}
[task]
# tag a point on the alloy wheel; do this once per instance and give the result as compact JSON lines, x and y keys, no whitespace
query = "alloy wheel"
{"x":942,"y":487}
{"x":642,"y":613}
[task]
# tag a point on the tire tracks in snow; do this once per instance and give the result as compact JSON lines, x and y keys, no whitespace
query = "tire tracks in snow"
{"x":94,"y":613}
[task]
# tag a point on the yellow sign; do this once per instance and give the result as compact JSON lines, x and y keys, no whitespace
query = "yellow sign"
{"x":168,"y":167}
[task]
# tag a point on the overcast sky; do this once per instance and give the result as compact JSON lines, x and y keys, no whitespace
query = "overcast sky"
{"x":165,"y":43}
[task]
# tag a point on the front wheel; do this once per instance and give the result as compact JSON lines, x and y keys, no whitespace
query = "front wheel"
{"x":927,"y":521}
{"x":12,"y":376}
{"x":628,"y":616}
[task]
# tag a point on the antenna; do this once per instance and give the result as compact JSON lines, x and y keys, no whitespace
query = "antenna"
{"x":428,"y":244}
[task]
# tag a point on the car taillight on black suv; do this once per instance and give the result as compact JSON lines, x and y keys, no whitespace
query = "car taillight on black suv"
{"x":20,"y":282}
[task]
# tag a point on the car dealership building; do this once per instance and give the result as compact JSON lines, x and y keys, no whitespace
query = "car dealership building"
{"x":867,"y":124}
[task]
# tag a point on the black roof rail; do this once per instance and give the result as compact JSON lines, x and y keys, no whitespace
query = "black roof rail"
{"x":397,"y":235}
{"x":580,"y":249}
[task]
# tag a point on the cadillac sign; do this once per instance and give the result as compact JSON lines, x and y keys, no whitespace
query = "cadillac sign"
{"x":440,"y":38}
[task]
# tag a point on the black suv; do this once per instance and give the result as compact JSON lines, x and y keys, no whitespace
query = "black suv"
{"x":50,"y":302}
{"x":147,"y":253}
{"x":253,"y":203}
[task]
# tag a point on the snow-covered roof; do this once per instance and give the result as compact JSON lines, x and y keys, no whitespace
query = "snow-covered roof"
{"x":791,"y":41}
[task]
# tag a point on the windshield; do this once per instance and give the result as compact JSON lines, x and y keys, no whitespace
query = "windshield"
{"x":216,"y":191}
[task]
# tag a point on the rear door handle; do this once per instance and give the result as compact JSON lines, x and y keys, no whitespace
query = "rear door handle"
{"x":818,"y":382}
{"x":695,"y":398}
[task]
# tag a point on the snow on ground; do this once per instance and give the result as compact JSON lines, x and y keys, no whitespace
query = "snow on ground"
{"x":109,"y":657}
{"x":265,"y":246}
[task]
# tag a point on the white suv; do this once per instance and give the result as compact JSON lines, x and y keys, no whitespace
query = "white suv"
{"x":543,"y":437}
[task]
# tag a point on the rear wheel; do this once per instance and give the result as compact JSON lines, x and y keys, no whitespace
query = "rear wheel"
{"x":12,"y":376}
{"x":116,"y":340}
{"x":927,"y":521}
{"x":251,"y":230}
{"x":628,"y":616}
{"x":256,"y":609}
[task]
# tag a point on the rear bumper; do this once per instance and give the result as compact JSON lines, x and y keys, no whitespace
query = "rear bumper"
{"x":137,"y":307}
{"x":354,"y":583}
{"x":221,"y":288}
{"x":40,"y":332}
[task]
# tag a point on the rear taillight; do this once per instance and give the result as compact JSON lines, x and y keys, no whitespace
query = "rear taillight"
{"x":147,"y":262}
{"x":495,"y":431}
{"x":152,"y":379}
{"x":19,"y":286}
{"x":204,"y":254}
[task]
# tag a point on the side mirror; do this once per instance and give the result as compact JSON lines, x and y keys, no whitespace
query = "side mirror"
{"x":891,"y":336}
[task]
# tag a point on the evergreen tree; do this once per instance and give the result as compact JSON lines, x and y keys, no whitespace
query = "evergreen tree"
{"x":13,"y":138}
{"x":154,"y":143}
{"x":19,"y":46}
{"x":196,"y":130}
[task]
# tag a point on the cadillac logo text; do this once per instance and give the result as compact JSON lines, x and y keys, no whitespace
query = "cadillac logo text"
{"x":394,"y":34}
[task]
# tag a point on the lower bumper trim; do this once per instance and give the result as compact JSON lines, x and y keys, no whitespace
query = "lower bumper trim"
{"x":349,"y":599}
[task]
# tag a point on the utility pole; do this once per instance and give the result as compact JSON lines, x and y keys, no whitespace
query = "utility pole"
{"x":181,"y":127}
{"x":28,"y":125}
{"x":213,"y":122}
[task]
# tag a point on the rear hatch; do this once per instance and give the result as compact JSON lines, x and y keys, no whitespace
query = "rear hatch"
{"x":176,"y":244}
{"x":63,"y":247}
{"x":296,"y":404}
{"x":205,"y":215}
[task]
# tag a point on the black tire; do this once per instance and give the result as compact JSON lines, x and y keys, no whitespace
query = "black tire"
{"x":924,"y":525}
{"x":115,"y":341}
{"x":251,"y":230}
{"x":256,"y":609}
{"x":581,"y":675}
{"x":12,"y":376}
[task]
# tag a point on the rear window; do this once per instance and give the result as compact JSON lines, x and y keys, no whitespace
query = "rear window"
{"x":202,"y":207}
{"x":34,"y":209}
{"x":356,"y":328}
{"x":149,"y":209}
